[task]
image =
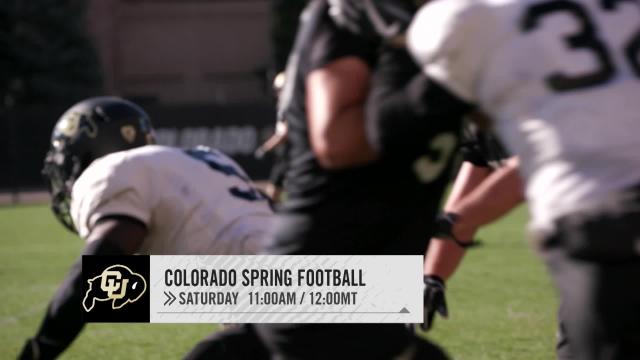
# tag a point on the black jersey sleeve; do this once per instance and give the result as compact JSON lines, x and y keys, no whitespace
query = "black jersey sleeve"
{"x":330,"y":43}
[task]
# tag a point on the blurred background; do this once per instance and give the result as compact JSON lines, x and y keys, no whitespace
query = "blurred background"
{"x":201,"y":68}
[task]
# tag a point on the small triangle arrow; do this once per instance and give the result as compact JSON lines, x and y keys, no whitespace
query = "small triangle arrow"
{"x":404,"y":311}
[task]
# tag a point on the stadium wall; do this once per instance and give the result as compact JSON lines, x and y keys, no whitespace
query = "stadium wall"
{"x":183,"y":51}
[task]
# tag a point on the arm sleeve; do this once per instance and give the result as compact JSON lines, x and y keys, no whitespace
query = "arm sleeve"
{"x":330,"y":43}
{"x":112,"y":187}
{"x":63,"y":320}
{"x":451,"y":41}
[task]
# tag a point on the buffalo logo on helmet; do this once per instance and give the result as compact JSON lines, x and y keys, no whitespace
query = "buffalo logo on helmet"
{"x":76,"y":123}
{"x":117,"y":284}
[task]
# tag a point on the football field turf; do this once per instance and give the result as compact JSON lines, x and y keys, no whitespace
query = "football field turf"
{"x":501,"y":303}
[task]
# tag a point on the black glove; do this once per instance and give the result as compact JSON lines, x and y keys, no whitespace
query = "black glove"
{"x":35,"y":349}
{"x":434,"y":300}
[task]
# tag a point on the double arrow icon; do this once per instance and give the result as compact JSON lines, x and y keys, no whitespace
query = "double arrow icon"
{"x":170,"y":298}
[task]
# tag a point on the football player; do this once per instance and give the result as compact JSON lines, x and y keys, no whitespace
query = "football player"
{"x":123,"y":195}
{"x":560,"y":79}
{"x":342,"y":199}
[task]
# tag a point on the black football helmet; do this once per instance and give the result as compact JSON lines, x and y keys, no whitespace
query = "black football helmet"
{"x":88,"y":130}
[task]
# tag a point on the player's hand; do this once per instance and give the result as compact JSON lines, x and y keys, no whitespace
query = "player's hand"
{"x":434,"y":300}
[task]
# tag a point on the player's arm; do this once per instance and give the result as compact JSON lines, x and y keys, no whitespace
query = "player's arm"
{"x":493,"y":198}
{"x":119,"y":235}
{"x":335,"y":100}
{"x":339,"y":64}
{"x":444,"y":255}
{"x":478,"y":198}
{"x":349,"y":54}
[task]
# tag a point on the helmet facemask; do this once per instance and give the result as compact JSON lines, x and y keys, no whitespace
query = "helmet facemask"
{"x":61,"y":171}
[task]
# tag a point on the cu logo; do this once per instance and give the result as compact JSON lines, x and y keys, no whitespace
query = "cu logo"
{"x":117,"y":284}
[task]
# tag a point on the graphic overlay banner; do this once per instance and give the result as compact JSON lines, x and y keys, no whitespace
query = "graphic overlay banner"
{"x":286,"y":289}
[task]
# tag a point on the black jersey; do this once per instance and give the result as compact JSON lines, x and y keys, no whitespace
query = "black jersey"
{"x":385,"y":207}
{"x":482,"y":148}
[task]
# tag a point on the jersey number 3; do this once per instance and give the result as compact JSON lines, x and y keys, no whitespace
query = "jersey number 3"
{"x":586,"y":39}
{"x":429,"y":167}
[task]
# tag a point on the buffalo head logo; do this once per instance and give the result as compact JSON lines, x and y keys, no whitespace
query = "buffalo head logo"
{"x":116,"y":283}
{"x":75,"y":123}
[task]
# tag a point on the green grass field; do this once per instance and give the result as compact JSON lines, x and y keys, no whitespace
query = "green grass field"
{"x":501,"y":302}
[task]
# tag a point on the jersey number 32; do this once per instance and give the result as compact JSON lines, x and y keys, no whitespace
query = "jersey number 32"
{"x":586,"y":39}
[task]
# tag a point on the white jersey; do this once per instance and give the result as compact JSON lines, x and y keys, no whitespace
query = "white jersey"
{"x":561,"y":80}
{"x":194,"y":203}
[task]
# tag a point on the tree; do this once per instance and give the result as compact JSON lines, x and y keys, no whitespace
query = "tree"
{"x":45,"y":53}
